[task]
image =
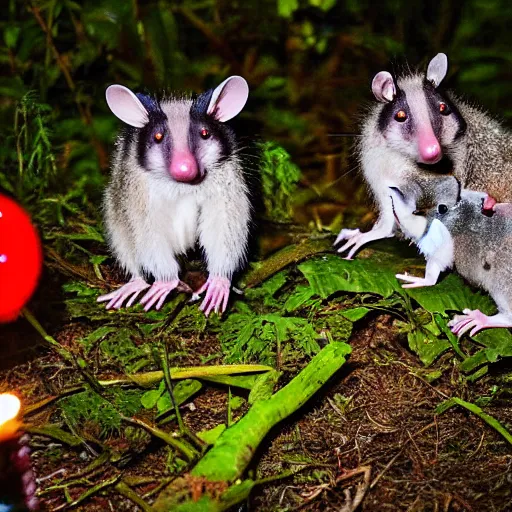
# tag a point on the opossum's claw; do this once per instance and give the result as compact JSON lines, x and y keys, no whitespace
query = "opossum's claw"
{"x":476,"y":321}
{"x":217,"y":294}
{"x":158,"y":293}
{"x":128,"y":291}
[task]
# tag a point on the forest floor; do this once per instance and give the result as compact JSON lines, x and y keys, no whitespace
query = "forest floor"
{"x":371,"y":438}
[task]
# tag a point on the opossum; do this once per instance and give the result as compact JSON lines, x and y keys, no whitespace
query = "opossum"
{"x":406,"y":135}
{"x":177,"y":179}
{"x":456,"y":232}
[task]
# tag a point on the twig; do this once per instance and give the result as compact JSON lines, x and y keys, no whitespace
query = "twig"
{"x":187,"y":451}
{"x":123,"y":488}
{"x":78,"y":363}
{"x":233,"y":450}
{"x":89,"y":492}
{"x":362,"y":487}
{"x":391,"y":462}
{"x":285,"y":257}
{"x":168,"y":382}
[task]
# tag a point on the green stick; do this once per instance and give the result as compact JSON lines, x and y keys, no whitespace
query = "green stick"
{"x":231,"y":454}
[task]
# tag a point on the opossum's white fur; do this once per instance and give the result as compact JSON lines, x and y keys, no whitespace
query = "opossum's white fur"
{"x":437,"y":245}
{"x":151,"y":219}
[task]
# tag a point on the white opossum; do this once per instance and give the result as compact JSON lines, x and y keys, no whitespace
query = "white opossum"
{"x":177,"y":179}
{"x":406,"y":134}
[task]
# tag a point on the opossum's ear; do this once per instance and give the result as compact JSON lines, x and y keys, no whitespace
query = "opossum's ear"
{"x":126,"y":106}
{"x":411,"y":223}
{"x":228,"y":99}
{"x":383,"y":87}
{"x":437,"y":69}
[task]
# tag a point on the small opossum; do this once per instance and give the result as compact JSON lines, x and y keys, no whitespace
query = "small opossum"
{"x":406,"y":133}
{"x":177,"y":179}
{"x":456,"y":231}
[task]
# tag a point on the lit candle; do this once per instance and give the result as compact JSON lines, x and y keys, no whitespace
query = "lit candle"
{"x":17,"y":483}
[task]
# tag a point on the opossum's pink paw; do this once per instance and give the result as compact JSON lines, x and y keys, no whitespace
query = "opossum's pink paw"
{"x":158,"y":293}
{"x":414,"y":282}
{"x":217,"y":294}
{"x":130,"y":290}
{"x":356,"y":239}
{"x":471,"y":319}
{"x":476,"y":321}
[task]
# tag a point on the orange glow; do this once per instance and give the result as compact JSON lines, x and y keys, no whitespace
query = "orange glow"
{"x":9,"y":407}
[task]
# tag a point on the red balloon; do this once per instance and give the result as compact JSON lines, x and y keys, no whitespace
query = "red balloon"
{"x":21,"y":259}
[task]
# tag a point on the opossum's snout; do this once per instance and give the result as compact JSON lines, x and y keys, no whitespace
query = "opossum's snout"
{"x":184,"y":167}
{"x":429,"y":148}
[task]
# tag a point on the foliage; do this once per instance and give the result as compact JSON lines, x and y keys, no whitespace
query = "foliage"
{"x":161,"y":398}
{"x":279,"y":177}
{"x":103,"y":411}
{"x":428,"y":335}
{"x":247,"y":336}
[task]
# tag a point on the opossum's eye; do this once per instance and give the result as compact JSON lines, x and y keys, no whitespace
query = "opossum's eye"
{"x":420,"y":213}
{"x":442,"y":209}
{"x":401,"y":116}
{"x":444,"y":109}
{"x":158,"y":136}
{"x":205,"y":134}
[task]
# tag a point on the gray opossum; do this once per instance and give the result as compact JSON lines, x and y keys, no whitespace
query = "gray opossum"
{"x":406,"y":134}
{"x":177,"y":178}
{"x":455,"y":231}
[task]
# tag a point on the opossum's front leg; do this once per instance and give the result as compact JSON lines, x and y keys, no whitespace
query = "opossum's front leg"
{"x":432,"y":272}
{"x":223,"y":233}
{"x":383,"y":228}
{"x":476,"y":321}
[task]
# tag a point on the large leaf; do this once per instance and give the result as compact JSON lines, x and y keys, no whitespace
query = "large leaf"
{"x":330,"y":274}
{"x":451,"y":294}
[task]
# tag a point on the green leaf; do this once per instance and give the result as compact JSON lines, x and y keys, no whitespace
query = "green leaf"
{"x":451,"y":294}
{"x":355,"y":314}
{"x":237,"y":381}
{"x":150,"y":398}
{"x":264,"y":386}
{"x":235,"y":402}
{"x":11,"y":34}
{"x":298,"y":298}
{"x":330,"y":274}
{"x":427,"y":345}
{"x":325,"y":5}
{"x":285,"y":8}
{"x":182,"y":391}
{"x":493,"y":422}
{"x":279,"y":178}
{"x":89,"y":340}
{"x":211,"y":435}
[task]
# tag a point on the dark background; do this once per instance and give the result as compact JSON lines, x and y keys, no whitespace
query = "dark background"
{"x":309,"y":64}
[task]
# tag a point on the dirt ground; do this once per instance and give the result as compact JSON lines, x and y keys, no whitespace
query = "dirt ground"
{"x":370,"y":439}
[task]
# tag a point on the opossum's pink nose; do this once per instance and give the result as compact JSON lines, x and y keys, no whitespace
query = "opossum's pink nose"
{"x":183,"y":167}
{"x":429,"y":149}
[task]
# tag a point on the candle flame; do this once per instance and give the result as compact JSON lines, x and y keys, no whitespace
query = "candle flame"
{"x":9,"y":407}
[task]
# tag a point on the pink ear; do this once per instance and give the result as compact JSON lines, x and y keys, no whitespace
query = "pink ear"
{"x":229,"y":98}
{"x":126,"y":106}
{"x":383,"y":87}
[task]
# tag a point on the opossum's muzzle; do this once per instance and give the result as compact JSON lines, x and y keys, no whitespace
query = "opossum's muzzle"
{"x":184,"y":168}
{"x":429,"y":149}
